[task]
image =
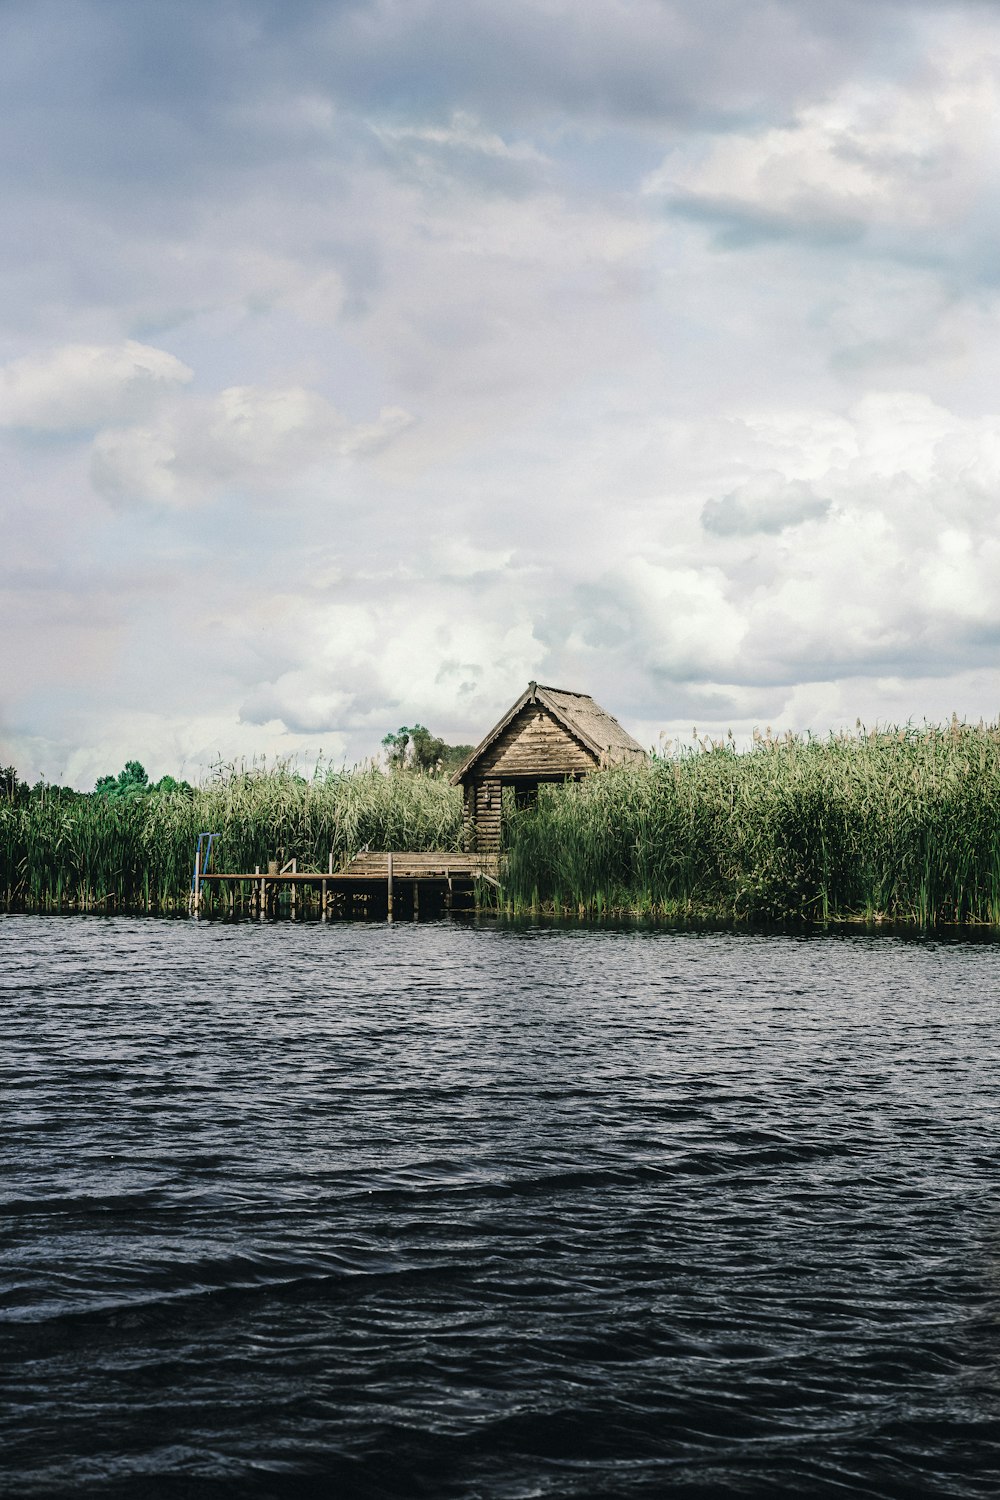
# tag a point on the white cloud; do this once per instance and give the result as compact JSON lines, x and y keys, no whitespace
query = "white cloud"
{"x":302,"y":701}
{"x":82,"y":386}
{"x":898,"y":157}
{"x":93,"y":745}
{"x":410,"y":649}
{"x":372,"y":437}
{"x":463,"y":133}
{"x":690,"y":628}
{"x":471,"y":408}
{"x":768,"y":503}
{"x":245,"y":437}
{"x":882,"y":560}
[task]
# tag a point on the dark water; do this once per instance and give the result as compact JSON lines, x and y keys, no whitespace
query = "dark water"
{"x":453,"y":1211}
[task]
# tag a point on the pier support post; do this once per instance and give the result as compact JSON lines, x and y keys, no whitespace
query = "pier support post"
{"x":388,"y":883}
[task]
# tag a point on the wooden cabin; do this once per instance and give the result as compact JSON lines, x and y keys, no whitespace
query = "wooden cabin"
{"x":548,"y":735}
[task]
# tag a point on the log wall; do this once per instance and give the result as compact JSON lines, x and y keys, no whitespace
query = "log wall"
{"x":534,"y":744}
{"x":533,"y":747}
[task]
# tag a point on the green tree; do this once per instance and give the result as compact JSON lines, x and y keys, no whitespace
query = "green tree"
{"x":416,"y":749}
{"x":453,"y":757}
{"x":170,"y":784}
{"x":132,"y":779}
{"x":12,"y":789}
{"x":396,"y":746}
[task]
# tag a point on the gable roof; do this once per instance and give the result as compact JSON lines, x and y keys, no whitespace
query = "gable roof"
{"x":596,"y":729}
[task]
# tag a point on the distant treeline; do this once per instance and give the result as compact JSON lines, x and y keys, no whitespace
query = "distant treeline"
{"x":899,"y":825}
{"x":131,"y":781}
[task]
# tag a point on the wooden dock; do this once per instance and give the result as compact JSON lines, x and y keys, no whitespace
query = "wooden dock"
{"x":372,"y":883}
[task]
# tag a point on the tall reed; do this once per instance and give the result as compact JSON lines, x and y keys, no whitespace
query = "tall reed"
{"x":900,"y":824}
{"x":137,"y":852}
{"x":897,"y":824}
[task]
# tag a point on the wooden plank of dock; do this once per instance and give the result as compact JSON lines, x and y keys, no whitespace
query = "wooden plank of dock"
{"x":363,"y":877}
{"x":436,"y":867}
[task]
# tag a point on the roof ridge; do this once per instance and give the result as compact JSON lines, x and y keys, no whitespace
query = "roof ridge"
{"x":582,"y":718}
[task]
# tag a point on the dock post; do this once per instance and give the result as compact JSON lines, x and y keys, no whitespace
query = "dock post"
{"x":196,"y":883}
{"x":389,"y":884}
{"x":323,"y":890}
{"x":294,"y":890}
{"x":416,"y":901}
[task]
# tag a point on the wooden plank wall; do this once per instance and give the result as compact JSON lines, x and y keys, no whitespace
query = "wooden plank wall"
{"x":533,"y":744}
{"x":482,"y":816}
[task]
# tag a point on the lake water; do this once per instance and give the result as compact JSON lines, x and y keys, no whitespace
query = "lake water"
{"x":445,"y":1210}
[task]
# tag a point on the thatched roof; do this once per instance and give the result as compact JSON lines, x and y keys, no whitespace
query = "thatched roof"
{"x":589,"y":723}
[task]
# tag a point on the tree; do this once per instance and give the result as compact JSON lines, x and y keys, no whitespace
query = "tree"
{"x":133,"y":781}
{"x":418,"y":750}
{"x":396,"y":746}
{"x":170,"y":784}
{"x":12,"y":789}
{"x":127,"y":783}
{"x":413,"y":749}
{"x":427,"y":749}
{"x":453,"y":757}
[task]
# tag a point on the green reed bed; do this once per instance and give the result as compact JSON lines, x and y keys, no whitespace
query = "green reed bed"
{"x":136,"y":853}
{"x":900,"y":825}
{"x":896,"y":825}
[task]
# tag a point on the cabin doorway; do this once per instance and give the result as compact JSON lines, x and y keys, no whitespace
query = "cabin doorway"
{"x":518,"y":799}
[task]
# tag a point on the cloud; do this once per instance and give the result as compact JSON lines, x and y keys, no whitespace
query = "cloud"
{"x":465,"y":134}
{"x":901,"y":166}
{"x":244,"y":437}
{"x":438,"y":154}
{"x":691,"y":627}
{"x":81,"y":386}
{"x":191,"y":76}
{"x":878,"y":557}
{"x":411,"y":646}
{"x":894,"y":576}
{"x":470,"y":405}
{"x":769,"y":504}
{"x":300,"y":702}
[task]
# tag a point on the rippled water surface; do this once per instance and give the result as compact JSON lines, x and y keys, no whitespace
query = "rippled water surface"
{"x":446,"y":1210}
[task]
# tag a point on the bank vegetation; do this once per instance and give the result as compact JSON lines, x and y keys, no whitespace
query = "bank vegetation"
{"x":899,"y":825}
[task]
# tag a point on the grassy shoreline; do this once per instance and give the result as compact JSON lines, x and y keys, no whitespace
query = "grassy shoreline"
{"x":136,"y":853}
{"x":898,"y":826}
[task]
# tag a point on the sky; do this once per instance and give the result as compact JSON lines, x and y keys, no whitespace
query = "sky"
{"x":361,"y":362}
